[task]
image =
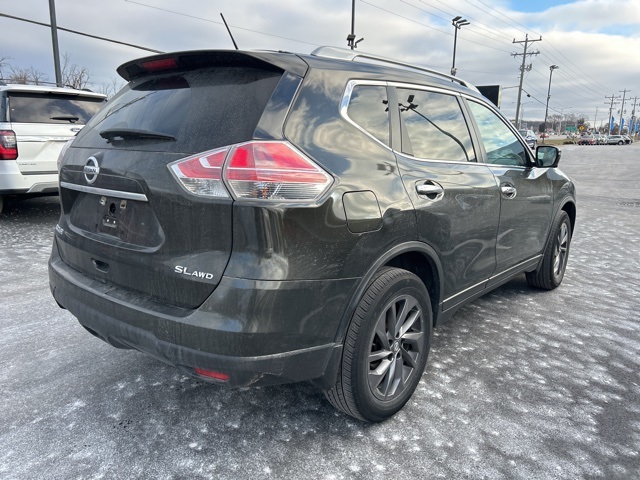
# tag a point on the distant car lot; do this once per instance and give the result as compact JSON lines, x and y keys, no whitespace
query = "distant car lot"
{"x":520,"y":384}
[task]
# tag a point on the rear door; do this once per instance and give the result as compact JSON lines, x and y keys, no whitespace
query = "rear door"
{"x":526,"y":200}
{"x":43,"y":122}
{"x":126,"y":219}
{"x":456,"y":199}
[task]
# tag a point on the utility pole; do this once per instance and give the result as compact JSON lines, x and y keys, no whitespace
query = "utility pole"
{"x":595,"y":118}
{"x":624,"y":92}
{"x":613,"y":99}
{"x":54,"y":40}
{"x":523,"y":68}
{"x":634,"y":120}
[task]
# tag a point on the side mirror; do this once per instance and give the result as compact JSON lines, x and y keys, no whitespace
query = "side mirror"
{"x":548,"y":156}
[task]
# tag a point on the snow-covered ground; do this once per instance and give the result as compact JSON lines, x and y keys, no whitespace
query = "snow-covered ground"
{"x":520,"y":384}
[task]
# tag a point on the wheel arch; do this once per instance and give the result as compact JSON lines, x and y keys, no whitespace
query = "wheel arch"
{"x":570,"y":208}
{"x":415,"y":257}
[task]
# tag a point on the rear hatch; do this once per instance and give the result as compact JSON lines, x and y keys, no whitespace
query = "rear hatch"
{"x":43,"y":122}
{"x":125,"y":217}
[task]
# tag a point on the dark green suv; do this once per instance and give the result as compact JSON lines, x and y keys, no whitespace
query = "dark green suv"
{"x":264,"y":217}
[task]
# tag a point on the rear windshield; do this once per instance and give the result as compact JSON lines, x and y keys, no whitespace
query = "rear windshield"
{"x":200,"y":110}
{"x":52,"y":108}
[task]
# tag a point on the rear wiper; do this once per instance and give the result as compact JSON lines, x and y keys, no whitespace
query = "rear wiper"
{"x":134,"y":134}
{"x":71,"y":118}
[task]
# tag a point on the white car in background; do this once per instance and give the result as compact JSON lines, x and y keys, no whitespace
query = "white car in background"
{"x":529,"y":137}
{"x":35,"y":123}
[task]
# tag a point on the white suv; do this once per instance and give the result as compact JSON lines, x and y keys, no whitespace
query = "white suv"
{"x":35,"y":123}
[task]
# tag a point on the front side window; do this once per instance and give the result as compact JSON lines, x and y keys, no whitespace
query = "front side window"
{"x":501,"y":145}
{"x":368,"y":109}
{"x":434,"y":126}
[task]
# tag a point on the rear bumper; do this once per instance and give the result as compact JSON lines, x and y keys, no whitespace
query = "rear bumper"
{"x":13,"y":181}
{"x":257,"y":332}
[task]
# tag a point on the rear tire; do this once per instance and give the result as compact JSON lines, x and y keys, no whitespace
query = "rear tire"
{"x":385,"y":348}
{"x":554,"y":263}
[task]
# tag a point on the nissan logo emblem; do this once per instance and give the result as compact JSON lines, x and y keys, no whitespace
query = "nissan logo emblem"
{"x":91,"y":170}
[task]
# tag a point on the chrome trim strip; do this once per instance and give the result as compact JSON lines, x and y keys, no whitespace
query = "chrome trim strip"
{"x":466,"y":290}
{"x":104,"y":191}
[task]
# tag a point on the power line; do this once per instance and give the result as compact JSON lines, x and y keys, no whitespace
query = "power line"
{"x":81,"y":33}
{"x":426,"y":26}
{"x":220,"y":23}
{"x":446,"y":19}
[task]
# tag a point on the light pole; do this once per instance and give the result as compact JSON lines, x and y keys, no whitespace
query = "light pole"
{"x":351,"y":38}
{"x":546,"y":110}
{"x":458,"y":22}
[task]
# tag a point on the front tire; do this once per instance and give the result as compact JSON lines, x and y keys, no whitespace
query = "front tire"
{"x":554,"y":263}
{"x":386,"y":347}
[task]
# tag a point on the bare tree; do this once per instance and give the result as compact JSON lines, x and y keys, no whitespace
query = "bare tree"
{"x":110,"y":89}
{"x":29,"y":75}
{"x":3,"y":64}
{"x":74,"y":75}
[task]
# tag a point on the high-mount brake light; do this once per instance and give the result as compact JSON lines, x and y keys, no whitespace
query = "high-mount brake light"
{"x":162,"y":64}
{"x":274,"y":171}
{"x":201,"y":174}
{"x":253,"y":170}
{"x":8,"y":145}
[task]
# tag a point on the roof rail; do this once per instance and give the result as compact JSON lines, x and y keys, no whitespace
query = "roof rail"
{"x":352,"y":56}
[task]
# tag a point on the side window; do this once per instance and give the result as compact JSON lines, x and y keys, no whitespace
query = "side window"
{"x":500,"y":143}
{"x":368,"y":109}
{"x":434,"y":126}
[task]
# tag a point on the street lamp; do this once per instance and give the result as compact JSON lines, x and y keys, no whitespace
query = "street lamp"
{"x":351,"y":38}
{"x":458,"y":22}
{"x":546,"y":111}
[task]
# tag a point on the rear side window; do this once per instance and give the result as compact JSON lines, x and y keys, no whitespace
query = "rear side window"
{"x":368,"y":108}
{"x":52,"y":108}
{"x":434,"y":126}
{"x":201,"y":109}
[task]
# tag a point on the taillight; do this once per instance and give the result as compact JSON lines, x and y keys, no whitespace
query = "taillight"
{"x":253,"y":170}
{"x":8,"y":145}
{"x":201,"y":174}
{"x":274,"y":171}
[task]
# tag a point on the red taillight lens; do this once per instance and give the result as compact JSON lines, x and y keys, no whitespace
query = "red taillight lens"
{"x":212,"y":374}
{"x":8,"y":145}
{"x":202,"y":174}
{"x":274,"y":171}
{"x":253,"y":170}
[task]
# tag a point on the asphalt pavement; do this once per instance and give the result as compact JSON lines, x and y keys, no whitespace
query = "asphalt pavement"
{"x":520,"y":383}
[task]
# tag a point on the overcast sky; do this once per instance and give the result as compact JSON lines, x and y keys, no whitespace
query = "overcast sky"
{"x":596,"y":43}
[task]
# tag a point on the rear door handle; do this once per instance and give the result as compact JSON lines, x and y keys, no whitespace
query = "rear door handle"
{"x":431,"y":190}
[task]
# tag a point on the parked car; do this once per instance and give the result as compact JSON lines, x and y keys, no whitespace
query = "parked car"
{"x":35,"y":122}
{"x":587,"y":140}
{"x":529,"y":137}
{"x":616,"y":140}
{"x":299,"y":217}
